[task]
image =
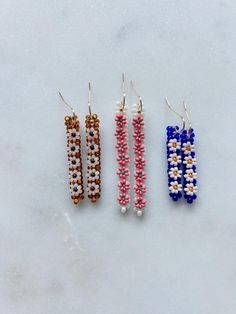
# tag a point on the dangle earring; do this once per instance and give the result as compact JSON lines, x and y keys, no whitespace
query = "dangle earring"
{"x":189,"y":162}
{"x":139,"y":152}
{"x":123,"y":158}
{"x":74,"y":155}
{"x":93,"y":153}
{"x":174,"y":157}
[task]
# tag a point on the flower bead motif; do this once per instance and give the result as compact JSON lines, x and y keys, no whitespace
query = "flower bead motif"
{"x":140,"y":175}
{"x":189,"y":161}
{"x":92,"y":161}
{"x":92,"y":188}
{"x":73,"y":135}
{"x":121,"y":120}
{"x":76,"y":189}
{"x":74,"y":176}
{"x":93,"y":157}
{"x":120,"y":134}
{"x":174,"y":171}
{"x":189,"y":166}
{"x":173,"y":145}
{"x":123,"y":173}
{"x":73,"y":149}
{"x":93,"y":175}
{"x":140,"y":188}
{"x":190,"y":175}
{"x":74,"y":158}
{"x":138,"y":122}
{"x":122,"y":147}
{"x":123,"y":199}
{"x":187,"y":148}
{"x":138,"y":136}
{"x":140,"y":203}
{"x":139,"y":149}
{"x":190,"y":189}
{"x":124,"y":185}
{"x":175,"y":187}
{"x":140,"y":162}
{"x":174,"y":159}
{"x":91,"y":134}
{"x":92,"y":148}
{"x":122,"y":158}
{"x":74,"y":162}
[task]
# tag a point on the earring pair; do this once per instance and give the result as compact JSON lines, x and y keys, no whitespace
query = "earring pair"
{"x":123,"y":154}
{"x":181,"y":157}
{"x":93,"y":173}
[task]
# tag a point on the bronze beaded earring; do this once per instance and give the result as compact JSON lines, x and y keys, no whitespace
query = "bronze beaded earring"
{"x":74,"y":155}
{"x":93,"y":153}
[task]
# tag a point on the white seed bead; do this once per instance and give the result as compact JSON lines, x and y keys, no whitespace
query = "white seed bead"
{"x":139,"y":213}
{"x":123,"y":209}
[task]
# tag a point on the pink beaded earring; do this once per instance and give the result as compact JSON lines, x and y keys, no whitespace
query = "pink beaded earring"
{"x":122,"y":153}
{"x":139,"y":152}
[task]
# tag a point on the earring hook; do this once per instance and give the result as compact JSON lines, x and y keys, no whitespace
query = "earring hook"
{"x":89,"y":98}
{"x":123,"y":92}
{"x":179,"y":115}
{"x":187,"y":115}
{"x":66,"y":103}
{"x":137,"y":94}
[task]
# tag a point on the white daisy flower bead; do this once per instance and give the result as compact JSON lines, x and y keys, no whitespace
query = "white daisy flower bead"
{"x":73,"y":162}
{"x":175,"y":173}
{"x":75,"y":189}
{"x":190,"y":189}
{"x":189,"y":161}
{"x":75,"y":175}
{"x":93,"y":161}
{"x":73,"y":134}
{"x":92,"y":188}
{"x":174,"y":159}
{"x":92,"y":134}
{"x":173,"y":145}
{"x":175,"y":187}
{"x":190,"y":175}
{"x":188,"y":148}
{"x":72,"y":149}
{"x":93,"y":148}
{"x":93,"y":174}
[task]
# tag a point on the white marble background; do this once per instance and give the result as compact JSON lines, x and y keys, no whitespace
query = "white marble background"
{"x":56,"y":258}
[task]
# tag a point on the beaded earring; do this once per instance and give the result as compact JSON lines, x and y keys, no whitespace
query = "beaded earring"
{"x":189,"y":162}
{"x":93,"y":153}
{"x":123,"y":158}
{"x":181,"y":160}
{"x":139,"y":153}
{"x":174,"y":157}
{"x":74,"y":155}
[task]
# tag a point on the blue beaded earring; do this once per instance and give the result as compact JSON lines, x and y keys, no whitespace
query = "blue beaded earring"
{"x":174,"y":157}
{"x":189,"y":161}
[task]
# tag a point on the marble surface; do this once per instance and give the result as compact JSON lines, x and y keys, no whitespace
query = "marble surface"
{"x":56,"y":258}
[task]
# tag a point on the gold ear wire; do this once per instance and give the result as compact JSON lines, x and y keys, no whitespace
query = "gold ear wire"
{"x":179,"y":115}
{"x":139,"y":97}
{"x":89,"y":98}
{"x":66,"y":103}
{"x":187,"y":115}
{"x":123,"y":91}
